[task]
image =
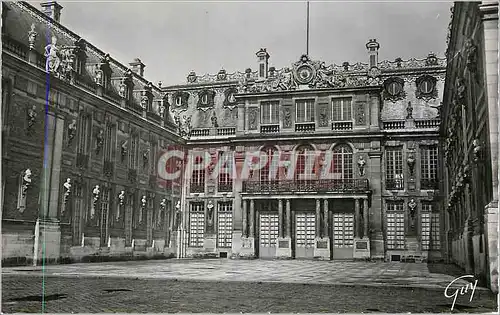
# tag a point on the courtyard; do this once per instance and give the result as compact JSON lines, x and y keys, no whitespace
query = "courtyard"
{"x":221,"y":285}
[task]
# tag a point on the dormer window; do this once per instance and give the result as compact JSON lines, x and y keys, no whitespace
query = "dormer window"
{"x":394,"y":88}
{"x":206,"y":99}
{"x":426,"y":87}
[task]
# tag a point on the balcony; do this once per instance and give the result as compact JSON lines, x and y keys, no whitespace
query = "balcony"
{"x":226,"y":131}
{"x":198,"y":188}
{"x":342,"y":125}
{"x":429,"y":184}
{"x":393,"y":125}
{"x":15,"y":47}
{"x":225,"y":187}
{"x":200,"y":132}
{"x":274,"y":128}
{"x":320,"y":186}
{"x":305,"y":127}
{"x":427,"y":123}
{"x":394,"y":184}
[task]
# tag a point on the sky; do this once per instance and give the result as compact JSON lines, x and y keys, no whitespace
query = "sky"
{"x":173,"y":38}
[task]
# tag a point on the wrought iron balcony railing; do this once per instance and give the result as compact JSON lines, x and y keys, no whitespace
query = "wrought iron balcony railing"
{"x":225,"y":187}
{"x":197,"y":187}
{"x":429,"y":184}
{"x":394,"y":184}
{"x":322,"y":185}
{"x":305,"y":127}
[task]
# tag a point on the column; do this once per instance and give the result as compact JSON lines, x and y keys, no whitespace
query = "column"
{"x":365,"y":217}
{"x":47,"y":167}
{"x":318,"y":217}
{"x":356,"y":218}
{"x":252,"y":218}
{"x":288,"y":219}
{"x":325,"y":216}
{"x":280,"y":218}
{"x":245,"y":225}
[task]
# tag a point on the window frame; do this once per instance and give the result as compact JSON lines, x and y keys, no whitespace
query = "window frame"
{"x":343,"y":112}
{"x":272,"y":108}
{"x":309,"y":108}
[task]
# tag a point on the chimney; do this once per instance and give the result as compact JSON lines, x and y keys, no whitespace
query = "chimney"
{"x":263,"y":60}
{"x":373,"y":47}
{"x":137,"y":66}
{"x":52,"y":9}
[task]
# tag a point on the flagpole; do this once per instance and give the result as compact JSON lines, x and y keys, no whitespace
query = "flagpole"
{"x":307,"y":35}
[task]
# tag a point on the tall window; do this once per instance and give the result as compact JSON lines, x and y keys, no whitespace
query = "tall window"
{"x":109,"y":143}
{"x":78,"y":207}
{"x":197,"y":176}
{"x":305,"y":111}
{"x":103,"y":220}
{"x":429,"y":228}
{"x":429,"y":158}
{"x":84,"y":134}
{"x":342,"y":162}
{"x":226,"y":177}
{"x":395,"y":225}
{"x":305,"y":162}
{"x":341,"y":109}
{"x":224,"y":224}
{"x":196,"y":224}
{"x":134,"y":152}
{"x":268,"y":152}
{"x":394,"y":168}
{"x":269,"y":113}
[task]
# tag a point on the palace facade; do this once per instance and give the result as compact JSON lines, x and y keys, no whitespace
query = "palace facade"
{"x":80,"y":133}
{"x":378,"y":121}
{"x":84,"y":137}
{"x":470,"y":140}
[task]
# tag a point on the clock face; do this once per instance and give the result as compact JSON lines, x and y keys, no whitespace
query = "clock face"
{"x":305,"y":74}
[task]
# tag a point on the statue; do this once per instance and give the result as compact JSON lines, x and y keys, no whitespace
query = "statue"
{"x":411,"y":163}
{"x":361,"y":165}
{"x":32,"y":36}
{"x":144,"y":102}
{"x":99,"y":141}
{"x":26,"y":181}
{"x":67,"y":187}
{"x":51,"y":52}
{"x":412,"y":205}
{"x":215,"y":124}
{"x":95,"y":193}
{"x":409,"y":110}
{"x":210,"y":213}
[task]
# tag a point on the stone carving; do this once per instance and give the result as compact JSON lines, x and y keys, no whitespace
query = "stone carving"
{"x":183,"y":126}
{"x":431,"y":60}
{"x":476,"y":151}
{"x":361,"y":166}
{"x":96,"y":194}
{"x":26,"y":181}
{"x":360,"y":113}
{"x":32,"y":34}
{"x":144,"y":102}
{"x":411,"y":163}
{"x":222,"y":75}
{"x":141,"y":208}
{"x":124,"y":149}
{"x":215,"y":124}
{"x":471,"y":52}
{"x":460,"y":91}
{"x":99,"y":141}
{"x":374,"y":72}
{"x":67,"y":191}
{"x":53,"y":60}
{"x":252,"y":118}
{"x":409,"y":111}
{"x":191,"y":78}
{"x":210,"y":213}
{"x":345,"y":65}
{"x":287,"y":117}
{"x":122,"y":89}
{"x":145,"y":158}
{"x":32,"y":114}
{"x":412,"y":63}
{"x":161,"y":109}
{"x":162,"y":209}
{"x":398,"y":62}
{"x":98,"y":76}
{"x":412,"y":205}
{"x":323,"y":116}
{"x":121,"y":198}
{"x":438,"y":108}
{"x":71,"y":131}
{"x":206,"y":100}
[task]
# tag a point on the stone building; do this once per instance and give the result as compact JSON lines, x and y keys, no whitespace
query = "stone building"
{"x":373,"y":126}
{"x":470,"y":132}
{"x":80,"y":135}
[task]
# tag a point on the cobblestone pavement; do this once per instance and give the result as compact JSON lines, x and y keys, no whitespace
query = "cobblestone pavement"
{"x":222,"y":285}
{"x":23,"y":293}
{"x":415,"y":275}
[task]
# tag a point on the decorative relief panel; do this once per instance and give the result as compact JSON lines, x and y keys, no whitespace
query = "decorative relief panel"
{"x":287,"y":117}
{"x":253,"y":116}
{"x":323,"y":115}
{"x":360,"y":114}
